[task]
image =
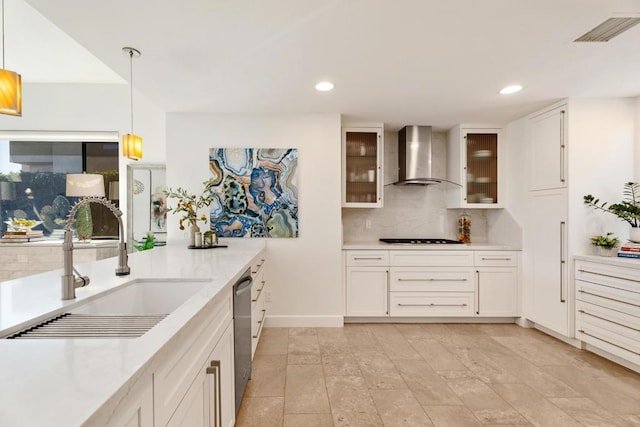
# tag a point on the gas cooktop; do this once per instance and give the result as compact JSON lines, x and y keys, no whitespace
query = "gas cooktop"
{"x":413,"y":241}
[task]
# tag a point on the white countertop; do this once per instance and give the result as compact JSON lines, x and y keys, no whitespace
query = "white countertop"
{"x":610,"y":260}
{"x":65,"y":382}
{"x":377,"y":245}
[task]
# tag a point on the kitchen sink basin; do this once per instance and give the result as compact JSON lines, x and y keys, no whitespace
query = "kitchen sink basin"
{"x":127,"y":312}
{"x":143,"y":297}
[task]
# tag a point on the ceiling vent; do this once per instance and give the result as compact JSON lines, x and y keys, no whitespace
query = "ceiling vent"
{"x":608,"y":30}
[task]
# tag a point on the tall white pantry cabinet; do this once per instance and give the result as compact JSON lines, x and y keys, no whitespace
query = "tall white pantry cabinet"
{"x":574,"y":148}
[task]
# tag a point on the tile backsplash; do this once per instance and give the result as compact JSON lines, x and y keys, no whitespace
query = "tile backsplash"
{"x":411,"y":211}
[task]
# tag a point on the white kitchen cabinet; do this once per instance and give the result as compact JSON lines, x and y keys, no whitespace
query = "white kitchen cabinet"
{"x":362,"y":159}
{"x":137,"y":410}
{"x":548,"y":245}
{"x":259,"y":291}
{"x":174,"y":378}
{"x":608,"y":307}
{"x":474,"y":160}
{"x":548,"y":141}
{"x":497,"y":283}
{"x":209,"y":401}
{"x":367,"y":283}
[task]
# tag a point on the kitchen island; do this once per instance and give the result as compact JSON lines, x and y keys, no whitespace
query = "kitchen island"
{"x":72,"y":382}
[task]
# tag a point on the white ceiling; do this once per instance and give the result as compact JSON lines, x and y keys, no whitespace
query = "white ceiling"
{"x":399,"y":62}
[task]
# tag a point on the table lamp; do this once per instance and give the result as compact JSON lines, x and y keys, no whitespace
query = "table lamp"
{"x":84,"y":185}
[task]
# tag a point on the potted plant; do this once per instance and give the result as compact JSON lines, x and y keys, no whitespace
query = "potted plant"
{"x":188,"y":205}
{"x":627,"y":210}
{"x":605,"y":245}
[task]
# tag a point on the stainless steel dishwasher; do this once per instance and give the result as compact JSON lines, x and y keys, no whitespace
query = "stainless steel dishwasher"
{"x":242,"y":333}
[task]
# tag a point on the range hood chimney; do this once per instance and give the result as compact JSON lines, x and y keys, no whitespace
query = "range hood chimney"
{"x":414,"y":156}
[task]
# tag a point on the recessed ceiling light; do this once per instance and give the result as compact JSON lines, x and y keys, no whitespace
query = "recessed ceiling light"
{"x":510,"y":89}
{"x":324,"y":86}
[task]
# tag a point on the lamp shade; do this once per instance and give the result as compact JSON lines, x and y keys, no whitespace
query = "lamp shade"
{"x":10,"y":93}
{"x":85,"y":184}
{"x":132,"y":146}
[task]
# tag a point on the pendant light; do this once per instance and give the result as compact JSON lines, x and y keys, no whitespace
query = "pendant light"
{"x":10,"y":85}
{"x":131,"y":143}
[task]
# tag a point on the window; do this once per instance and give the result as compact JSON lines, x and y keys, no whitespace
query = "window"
{"x":33,"y":182}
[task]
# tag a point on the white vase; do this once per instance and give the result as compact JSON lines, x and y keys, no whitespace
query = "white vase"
{"x":601,"y":251}
{"x":634,"y":234}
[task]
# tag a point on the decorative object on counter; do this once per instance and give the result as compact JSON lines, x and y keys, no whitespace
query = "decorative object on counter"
{"x":605,"y":245}
{"x":84,"y":185}
{"x":464,"y":228}
{"x":627,"y":210}
{"x":149,"y":243}
{"x":629,"y":250}
{"x":188,"y":205}
{"x":209,"y":238}
{"x":255,"y":192}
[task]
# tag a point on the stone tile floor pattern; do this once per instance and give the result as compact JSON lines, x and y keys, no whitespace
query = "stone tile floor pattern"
{"x":433,"y":375}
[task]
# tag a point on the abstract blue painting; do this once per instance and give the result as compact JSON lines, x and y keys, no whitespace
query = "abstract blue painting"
{"x":255,"y":192}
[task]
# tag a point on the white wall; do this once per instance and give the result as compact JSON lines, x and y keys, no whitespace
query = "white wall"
{"x":305,"y":274}
{"x":92,"y":107}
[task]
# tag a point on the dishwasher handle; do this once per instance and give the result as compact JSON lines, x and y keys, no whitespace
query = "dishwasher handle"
{"x":243,"y":286}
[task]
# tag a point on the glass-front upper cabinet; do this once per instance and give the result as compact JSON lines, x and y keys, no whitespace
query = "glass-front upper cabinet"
{"x":362,"y":167}
{"x":474,"y":162}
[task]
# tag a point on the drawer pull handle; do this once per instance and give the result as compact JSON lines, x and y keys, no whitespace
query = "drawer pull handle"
{"x":582,"y":291}
{"x":608,"y":275}
{"x":357,"y":258}
{"x":582,"y":331}
{"x":432,"y":305}
{"x":257,"y":295}
{"x":261,"y":323}
{"x":400,"y":279}
{"x":494,"y":259}
{"x":608,"y":320}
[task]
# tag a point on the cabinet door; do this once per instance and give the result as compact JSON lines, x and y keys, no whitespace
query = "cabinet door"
{"x":548,"y":133}
{"x":137,"y":410}
{"x":367,"y":291}
{"x":222,"y":411}
{"x":497,"y":293}
{"x":193,"y":410}
{"x":548,"y":253}
{"x":482,"y":168}
{"x":362,"y":177}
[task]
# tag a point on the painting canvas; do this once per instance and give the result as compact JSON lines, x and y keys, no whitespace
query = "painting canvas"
{"x":255,"y":192}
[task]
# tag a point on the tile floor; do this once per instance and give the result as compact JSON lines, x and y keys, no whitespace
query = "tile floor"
{"x":433,"y":375}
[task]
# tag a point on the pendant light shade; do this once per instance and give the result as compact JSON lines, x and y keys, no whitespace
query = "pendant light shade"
{"x":132,"y":146}
{"x":131,"y":143}
{"x":10,"y":85}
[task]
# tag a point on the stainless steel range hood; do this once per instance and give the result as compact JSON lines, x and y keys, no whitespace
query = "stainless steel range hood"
{"x":415,"y":157}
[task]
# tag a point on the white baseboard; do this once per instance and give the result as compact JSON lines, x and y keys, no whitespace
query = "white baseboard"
{"x":304,"y":321}
{"x":429,"y":320}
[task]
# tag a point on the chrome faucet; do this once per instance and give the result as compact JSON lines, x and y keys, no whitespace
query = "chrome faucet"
{"x":69,"y":280}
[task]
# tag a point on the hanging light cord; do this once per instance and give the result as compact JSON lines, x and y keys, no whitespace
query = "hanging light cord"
{"x":3,"y":34}
{"x":130,"y":82}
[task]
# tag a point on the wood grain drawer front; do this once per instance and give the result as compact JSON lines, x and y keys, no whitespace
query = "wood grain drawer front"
{"x":609,"y":275}
{"x":495,"y":259}
{"x":431,"y":258}
{"x":431,"y":304}
{"x":172,"y":380}
{"x":613,"y":298}
{"x":368,"y":258}
{"x":413,"y":279}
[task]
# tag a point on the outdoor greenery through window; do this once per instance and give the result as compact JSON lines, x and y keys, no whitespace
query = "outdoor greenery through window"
{"x":33,"y":183}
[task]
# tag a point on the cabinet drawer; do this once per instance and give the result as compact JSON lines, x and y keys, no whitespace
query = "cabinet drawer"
{"x":431,"y":258}
{"x":258,"y":288}
{"x":368,"y":258}
{"x":420,"y":304}
{"x":495,"y":259}
{"x":258,"y":265}
{"x":611,"y":320}
{"x":172,"y":380}
{"x":609,"y":275}
{"x":407,"y":279}
{"x":608,"y":342}
{"x":605,"y":296}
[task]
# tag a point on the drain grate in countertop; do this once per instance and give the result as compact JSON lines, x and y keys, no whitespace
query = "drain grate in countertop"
{"x":76,"y":325}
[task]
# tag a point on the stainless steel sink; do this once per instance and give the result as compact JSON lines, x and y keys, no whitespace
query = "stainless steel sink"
{"x":129,"y":311}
